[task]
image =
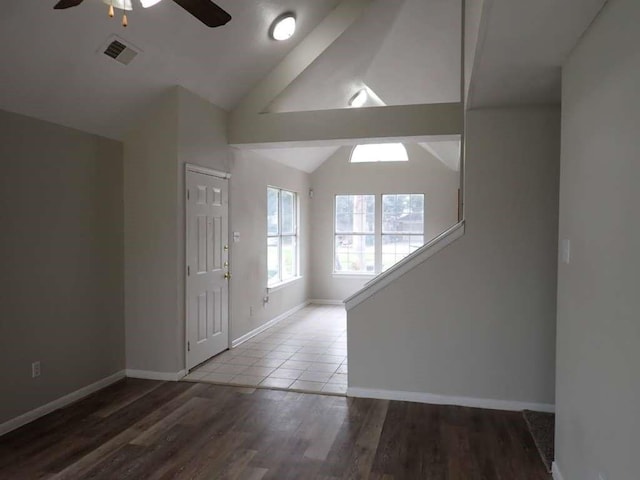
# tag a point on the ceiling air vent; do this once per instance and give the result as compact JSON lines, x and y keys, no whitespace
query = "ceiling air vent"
{"x":117,"y":49}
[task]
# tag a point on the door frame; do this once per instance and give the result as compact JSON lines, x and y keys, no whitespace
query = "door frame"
{"x":190,"y":167}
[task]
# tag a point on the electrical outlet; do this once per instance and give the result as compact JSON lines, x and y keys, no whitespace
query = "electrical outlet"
{"x":35,"y":369}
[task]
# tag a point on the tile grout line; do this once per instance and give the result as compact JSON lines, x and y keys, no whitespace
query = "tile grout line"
{"x":290,"y":338}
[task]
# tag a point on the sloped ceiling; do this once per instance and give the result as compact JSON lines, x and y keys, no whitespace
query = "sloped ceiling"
{"x":406,"y":51}
{"x":306,"y":159}
{"x":51,"y":69}
{"x":523,"y":45}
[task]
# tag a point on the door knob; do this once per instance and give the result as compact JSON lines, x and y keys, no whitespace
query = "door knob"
{"x":227,"y":275}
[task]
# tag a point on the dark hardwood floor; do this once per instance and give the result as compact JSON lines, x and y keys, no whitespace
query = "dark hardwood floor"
{"x":139,"y":429}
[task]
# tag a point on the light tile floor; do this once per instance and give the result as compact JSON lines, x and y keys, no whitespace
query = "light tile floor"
{"x":306,"y":352}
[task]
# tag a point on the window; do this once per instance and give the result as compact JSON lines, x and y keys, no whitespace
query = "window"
{"x":382,"y":152}
{"x":366,"y":243}
{"x":402,"y":227}
{"x":282,"y":235}
{"x":354,"y":234}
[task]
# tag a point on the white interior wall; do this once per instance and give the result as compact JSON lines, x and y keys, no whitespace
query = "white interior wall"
{"x":598,"y":348}
{"x":61,"y":253}
{"x":251,"y":174}
{"x":477,"y":320}
{"x":421,"y":174}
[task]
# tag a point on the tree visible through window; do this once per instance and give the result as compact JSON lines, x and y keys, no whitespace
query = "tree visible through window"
{"x":282,"y":235}
{"x":367,"y":244}
{"x":402,"y":227}
{"x":354,"y":234}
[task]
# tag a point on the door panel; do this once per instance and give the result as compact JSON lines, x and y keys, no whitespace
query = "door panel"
{"x":207,"y":255}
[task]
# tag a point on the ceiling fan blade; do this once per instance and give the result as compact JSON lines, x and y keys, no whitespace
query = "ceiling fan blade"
{"x":62,"y":4}
{"x":206,"y":11}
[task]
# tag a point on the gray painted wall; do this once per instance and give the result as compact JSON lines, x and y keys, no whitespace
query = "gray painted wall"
{"x":251,"y":174}
{"x":184,"y":129}
{"x":598,"y":349}
{"x":202,"y":140}
{"x":187,"y":129}
{"x":151,"y":242}
{"x":61,"y":251}
{"x":422,"y":174}
{"x":478,"y":318}
{"x":473,"y":10}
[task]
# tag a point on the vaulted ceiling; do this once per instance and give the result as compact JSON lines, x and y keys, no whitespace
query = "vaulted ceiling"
{"x":522,"y":47}
{"x":406,"y":51}
{"x":53,"y":68}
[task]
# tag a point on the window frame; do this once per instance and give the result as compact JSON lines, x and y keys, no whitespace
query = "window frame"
{"x":280,"y":235}
{"x":377,"y":232}
{"x":401,"y":233}
{"x":352,"y":234}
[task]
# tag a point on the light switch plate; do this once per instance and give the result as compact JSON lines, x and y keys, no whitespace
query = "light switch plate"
{"x":236,"y":237}
{"x":566,"y":251}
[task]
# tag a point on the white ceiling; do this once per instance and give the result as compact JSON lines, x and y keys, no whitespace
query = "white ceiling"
{"x":51,"y":70}
{"x":306,"y":159}
{"x":523,"y":45}
{"x":406,"y":51}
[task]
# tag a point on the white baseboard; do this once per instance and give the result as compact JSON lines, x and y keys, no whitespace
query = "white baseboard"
{"x":149,"y":375}
{"x":326,"y":302}
{"x":555,"y":470}
{"x":448,"y":400}
{"x":265,"y":326}
{"x":61,"y":402}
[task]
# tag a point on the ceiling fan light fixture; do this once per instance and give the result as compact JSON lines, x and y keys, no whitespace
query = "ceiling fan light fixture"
{"x":120,"y":4}
{"x":149,"y":3}
{"x":359,"y":99}
{"x":283,"y":27}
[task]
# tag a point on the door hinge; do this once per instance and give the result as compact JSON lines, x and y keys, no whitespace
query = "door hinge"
{"x":188,"y":194}
{"x":188,"y":270}
{"x":188,"y":346}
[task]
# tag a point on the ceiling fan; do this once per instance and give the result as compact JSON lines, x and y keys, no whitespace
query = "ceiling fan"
{"x":204,"y":10}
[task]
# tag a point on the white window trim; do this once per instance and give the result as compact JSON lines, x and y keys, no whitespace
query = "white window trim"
{"x":296,"y":235}
{"x":377,"y":232}
{"x":279,"y":286}
{"x":335,"y":234}
{"x":353,"y":275}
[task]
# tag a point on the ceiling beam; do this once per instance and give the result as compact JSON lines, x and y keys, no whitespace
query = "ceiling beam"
{"x":249,"y":126}
{"x":431,"y":120}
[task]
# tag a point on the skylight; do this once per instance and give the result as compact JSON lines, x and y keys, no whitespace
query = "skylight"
{"x":380,"y":152}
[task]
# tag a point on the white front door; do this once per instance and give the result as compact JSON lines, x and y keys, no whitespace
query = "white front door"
{"x":207,"y":255}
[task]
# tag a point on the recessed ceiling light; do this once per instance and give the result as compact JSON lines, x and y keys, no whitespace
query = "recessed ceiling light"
{"x":359,"y":99}
{"x":283,"y":27}
{"x":149,"y":3}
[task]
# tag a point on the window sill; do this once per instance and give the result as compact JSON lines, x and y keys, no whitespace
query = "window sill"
{"x":354,"y":275}
{"x":286,"y":283}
